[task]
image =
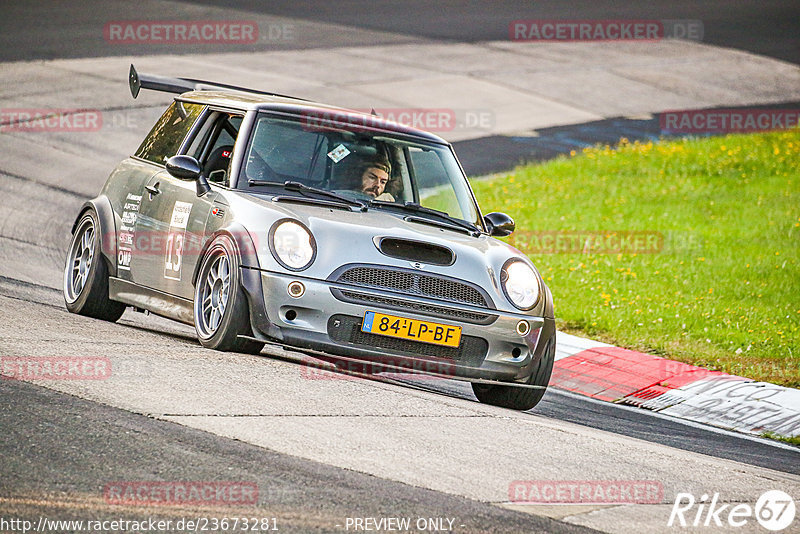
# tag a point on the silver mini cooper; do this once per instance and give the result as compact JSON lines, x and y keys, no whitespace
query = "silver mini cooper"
{"x":265,"y":219}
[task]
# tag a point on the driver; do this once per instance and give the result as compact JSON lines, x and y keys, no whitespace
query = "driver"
{"x":375,"y":176}
{"x":367,"y":176}
{"x":372,"y":176}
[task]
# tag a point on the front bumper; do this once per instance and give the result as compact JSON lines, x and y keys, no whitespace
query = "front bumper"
{"x":326,"y":318}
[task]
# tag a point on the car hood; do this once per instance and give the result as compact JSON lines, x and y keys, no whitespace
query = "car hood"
{"x":351,"y":237}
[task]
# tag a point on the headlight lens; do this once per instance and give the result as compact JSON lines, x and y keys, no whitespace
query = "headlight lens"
{"x":293,"y":245}
{"x":521,"y":284}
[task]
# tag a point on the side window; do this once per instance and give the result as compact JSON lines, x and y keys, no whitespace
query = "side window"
{"x":216,"y":160}
{"x":225,"y":138}
{"x":221,"y":130}
{"x":165,"y":138}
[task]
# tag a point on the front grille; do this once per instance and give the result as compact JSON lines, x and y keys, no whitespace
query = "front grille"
{"x":413,"y":283}
{"x":347,"y":329}
{"x":425,"y":309}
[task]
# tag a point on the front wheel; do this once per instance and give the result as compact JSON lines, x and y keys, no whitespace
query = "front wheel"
{"x":517,"y":398}
{"x":220,"y":305}
{"x":86,"y":274}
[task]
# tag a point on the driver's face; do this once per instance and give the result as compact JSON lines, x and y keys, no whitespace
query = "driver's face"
{"x":373,"y":182}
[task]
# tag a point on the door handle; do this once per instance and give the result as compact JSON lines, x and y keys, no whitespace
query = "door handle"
{"x":153,"y":190}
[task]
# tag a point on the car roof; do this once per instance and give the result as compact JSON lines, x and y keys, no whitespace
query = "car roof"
{"x":244,"y":101}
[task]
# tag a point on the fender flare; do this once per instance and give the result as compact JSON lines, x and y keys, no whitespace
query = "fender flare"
{"x":107,"y":231}
{"x":250,"y":277}
{"x":248,"y":256}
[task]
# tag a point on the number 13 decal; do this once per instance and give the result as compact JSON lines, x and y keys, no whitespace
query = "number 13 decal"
{"x":177,"y":234}
{"x":174,"y":255}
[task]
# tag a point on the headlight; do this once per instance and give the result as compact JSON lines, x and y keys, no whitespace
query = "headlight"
{"x":292,"y":245}
{"x":520,"y":284}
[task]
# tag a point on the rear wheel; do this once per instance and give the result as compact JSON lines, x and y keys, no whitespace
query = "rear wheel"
{"x":220,"y":304}
{"x":517,"y":398}
{"x":86,"y":274}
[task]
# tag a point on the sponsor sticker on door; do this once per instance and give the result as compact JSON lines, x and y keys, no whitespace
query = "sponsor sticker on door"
{"x":175,"y":240}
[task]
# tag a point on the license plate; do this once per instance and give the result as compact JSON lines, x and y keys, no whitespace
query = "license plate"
{"x":400,"y":327}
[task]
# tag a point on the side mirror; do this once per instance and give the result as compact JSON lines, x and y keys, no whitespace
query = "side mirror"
{"x":184,"y":168}
{"x":499,"y":224}
{"x":188,"y":169}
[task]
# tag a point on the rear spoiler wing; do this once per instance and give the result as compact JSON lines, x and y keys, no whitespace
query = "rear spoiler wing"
{"x":137,"y":81}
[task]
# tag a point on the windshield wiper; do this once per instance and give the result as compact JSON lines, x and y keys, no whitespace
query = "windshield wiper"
{"x":303,"y":188}
{"x":413,"y":207}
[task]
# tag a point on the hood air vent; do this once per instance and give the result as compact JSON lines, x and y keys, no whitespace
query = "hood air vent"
{"x":416,"y":251}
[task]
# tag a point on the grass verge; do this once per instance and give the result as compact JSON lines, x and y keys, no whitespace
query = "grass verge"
{"x":714,"y":279}
{"x":791,"y":440}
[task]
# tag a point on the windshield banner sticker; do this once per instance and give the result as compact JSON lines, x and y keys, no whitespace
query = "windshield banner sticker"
{"x":338,"y":153}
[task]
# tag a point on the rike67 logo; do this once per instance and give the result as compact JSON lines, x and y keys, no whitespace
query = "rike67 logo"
{"x":775,"y":510}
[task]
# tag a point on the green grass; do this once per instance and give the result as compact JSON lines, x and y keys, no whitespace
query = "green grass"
{"x":722,"y":293}
{"x":791,"y":440}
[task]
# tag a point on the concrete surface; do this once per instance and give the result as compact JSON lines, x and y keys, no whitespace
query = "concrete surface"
{"x":403,"y":434}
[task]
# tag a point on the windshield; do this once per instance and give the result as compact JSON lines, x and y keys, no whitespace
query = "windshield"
{"x":360,"y":164}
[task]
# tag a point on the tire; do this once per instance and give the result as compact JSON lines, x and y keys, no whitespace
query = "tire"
{"x":221,"y":312}
{"x":517,"y":398}
{"x":86,"y":274}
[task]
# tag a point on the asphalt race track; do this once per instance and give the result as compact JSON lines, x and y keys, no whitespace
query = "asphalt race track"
{"x":322,"y":447}
{"x":767,"y":27}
